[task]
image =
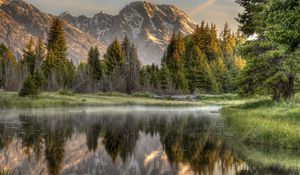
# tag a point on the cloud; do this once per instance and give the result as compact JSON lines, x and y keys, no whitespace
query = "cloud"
{"x":202,"y":6}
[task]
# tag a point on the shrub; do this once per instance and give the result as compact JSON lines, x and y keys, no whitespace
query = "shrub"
{"x":142,"y":94}
{"x":29,"y":88}
{"x":66,"y":92}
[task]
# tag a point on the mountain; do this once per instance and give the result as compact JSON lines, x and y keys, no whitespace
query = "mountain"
{"x":20,"y":21}
{"x":148,"y":25}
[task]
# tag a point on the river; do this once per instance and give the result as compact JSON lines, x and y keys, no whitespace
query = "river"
{"x":126,"y":140}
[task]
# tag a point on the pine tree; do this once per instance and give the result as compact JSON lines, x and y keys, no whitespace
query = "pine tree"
{"x":8,"y":69}
{"x":50,"y":68}
{"x":165,"y":78}
{"x":201,"y":38}
{"x":181,"y":82}
{"x":94,"y":67}
{"x":40,"y":54}
{"x":221,"y":73}
{"x":250,"y":19}
{"x":69,"y":73}
{"x":198,"y":36}
{"x":174,"y":60}
{"x":228,"y":45}
{"x":114,"y":57}
{"x":29,"y":56}
{"x":199,"y":73}
{"x":57,"y":67}
{"x":132,"y":69}
{"x":81,"y":82}
{"x":214,"y":49}
{"x":273,"y":57}
{"x":29,"y":87}
{"x":126,"y":46}
{"x":56,"y":40}
{"x":143,"y":76}
{"x":39,"y":79}
{"x":32,"y":60}
{"x":154,"y":78}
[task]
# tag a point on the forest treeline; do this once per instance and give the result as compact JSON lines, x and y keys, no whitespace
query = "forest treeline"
{"x":203,"y":62}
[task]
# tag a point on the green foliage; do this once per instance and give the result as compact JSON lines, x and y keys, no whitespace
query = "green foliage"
{"x":203,"y":62}
{"x":222,"y":75}
{"x":153,"y":71}
{"x":66,"y":92}
{"x":143,"y":76}
{"x":199,"y":73}
{"x":173,"y":59}
{"x":181,"y":82}
{"x":114,"y":57}
{"x":132,"y":66}
{"x":29,"y":88}
{"x":214,"y":51}
{"x":143,"y":94}
{"x":94,"y":66}
{"x":39,"y":79}
{"x":29,"y":57}
{"x":56,"y":40}
{"x":33,"y":58}
{"x":165,"y":78}
{"x":250,"y":19}
{"x":7,"y":69}
{"x":275,"y":123}
{"x":273,"y":58}
{"x":58,"y":70}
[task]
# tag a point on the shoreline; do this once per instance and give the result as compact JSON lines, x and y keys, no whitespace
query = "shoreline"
{"x":266,"y":123}
{"x":11,"y":100}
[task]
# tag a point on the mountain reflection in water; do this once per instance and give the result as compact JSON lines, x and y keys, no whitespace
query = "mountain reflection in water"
{"x":129,"y":140}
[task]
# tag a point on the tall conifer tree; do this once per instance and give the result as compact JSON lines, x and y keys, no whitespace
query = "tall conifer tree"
{"x":94,"y":67}
{"x":199,"y":73}
{"x":114,"y":57}
{"x":29,"y":57}
{"x":57,"y":67}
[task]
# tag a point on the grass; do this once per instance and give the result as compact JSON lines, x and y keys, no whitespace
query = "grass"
{"x":67,"y":99}
{"x":262,"y":156}
{"x":257,"y":121}
{"x":12,"y":100}
{"x":273,"y":124}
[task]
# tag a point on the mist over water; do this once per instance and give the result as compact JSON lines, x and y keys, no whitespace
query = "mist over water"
{"x":122,"y":140}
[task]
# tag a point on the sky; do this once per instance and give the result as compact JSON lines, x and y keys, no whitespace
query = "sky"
{"x":217,"y":11}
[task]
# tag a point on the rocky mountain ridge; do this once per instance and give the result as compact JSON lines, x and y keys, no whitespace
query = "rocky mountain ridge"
{"x":148,"y":25}
{"x":21,"y":21}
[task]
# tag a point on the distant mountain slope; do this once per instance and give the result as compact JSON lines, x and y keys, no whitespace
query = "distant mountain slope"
{"x":148,"y":25}
{"x":20,"y":21}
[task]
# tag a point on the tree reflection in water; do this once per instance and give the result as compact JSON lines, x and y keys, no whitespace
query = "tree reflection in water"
{"x":187,"y":139}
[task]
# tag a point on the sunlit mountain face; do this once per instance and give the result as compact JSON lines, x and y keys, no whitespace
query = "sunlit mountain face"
{"x":131,"y":140}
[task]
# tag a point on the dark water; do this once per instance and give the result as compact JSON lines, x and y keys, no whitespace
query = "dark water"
{"x":130,"y":140}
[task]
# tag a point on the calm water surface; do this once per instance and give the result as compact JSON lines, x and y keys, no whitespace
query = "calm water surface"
{"x":128,"y":140}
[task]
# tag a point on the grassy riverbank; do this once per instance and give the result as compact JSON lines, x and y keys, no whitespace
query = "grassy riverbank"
{"x":56,"y":99}
{"x":47,"y":99}
{"x":273,"y":124}
{"x":253,"y":121}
